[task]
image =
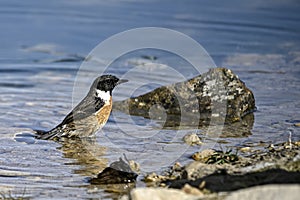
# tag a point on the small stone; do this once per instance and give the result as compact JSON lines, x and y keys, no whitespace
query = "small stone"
{"x":191,"y":190}
{"x":177,"y":166}
{"x":297,"y":124}
{"x":192,"y":139}
{"x":245,"y":149}
{"x":134,"y":166}
{"x":271,"y":147}
{"x":202,"y":185}
{"x":153,"y":177}
{"x":203,"y":156}
{"x":162,"y":185}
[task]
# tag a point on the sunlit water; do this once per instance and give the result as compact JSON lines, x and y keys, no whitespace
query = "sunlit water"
{"x":43,"y":45}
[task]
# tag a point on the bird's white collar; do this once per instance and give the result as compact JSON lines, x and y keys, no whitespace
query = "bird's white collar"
{"x":103,"y":95}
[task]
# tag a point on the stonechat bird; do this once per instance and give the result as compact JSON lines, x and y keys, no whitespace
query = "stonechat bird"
{"x":90,"y":115}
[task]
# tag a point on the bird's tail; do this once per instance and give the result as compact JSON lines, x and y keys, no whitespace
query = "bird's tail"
{"x":46,"y":135}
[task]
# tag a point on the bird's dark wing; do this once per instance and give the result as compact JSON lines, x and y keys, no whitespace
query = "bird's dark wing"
{"x":85,"y":108}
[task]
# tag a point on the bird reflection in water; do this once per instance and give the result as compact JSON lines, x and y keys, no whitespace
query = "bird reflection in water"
{"x":86,"y":152}
{"x":118,"y":178}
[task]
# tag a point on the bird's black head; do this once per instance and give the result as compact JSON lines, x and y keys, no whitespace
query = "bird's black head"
{"x":107,"y":82}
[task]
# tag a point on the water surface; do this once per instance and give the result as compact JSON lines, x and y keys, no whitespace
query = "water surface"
{"x":44,"y":43}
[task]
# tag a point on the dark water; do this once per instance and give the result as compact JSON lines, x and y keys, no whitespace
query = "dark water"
{"x":43,"y":45}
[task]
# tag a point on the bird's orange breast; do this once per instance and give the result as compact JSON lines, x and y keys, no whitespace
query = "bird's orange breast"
{"x":104,"y":112}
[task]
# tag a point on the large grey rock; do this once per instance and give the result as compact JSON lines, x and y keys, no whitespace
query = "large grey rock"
{"x":267,"y":192}
{"x":160,"y":194}
{"x":217,"y":95}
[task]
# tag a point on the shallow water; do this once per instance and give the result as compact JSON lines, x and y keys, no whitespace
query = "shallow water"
{"x":43,"y":45}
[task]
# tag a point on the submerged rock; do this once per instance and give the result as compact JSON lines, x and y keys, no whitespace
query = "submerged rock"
{"x":217,"y":96}
{"x":118,"y":172}
{"x":192,"y":139}
{"x":113,"y":176}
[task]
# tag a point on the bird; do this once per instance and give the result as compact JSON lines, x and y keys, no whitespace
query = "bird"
{"x":90,"y":115}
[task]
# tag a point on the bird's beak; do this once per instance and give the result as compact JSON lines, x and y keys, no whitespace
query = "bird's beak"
{"x":122,"y":81}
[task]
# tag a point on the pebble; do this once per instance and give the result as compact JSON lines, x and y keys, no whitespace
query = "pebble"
{"x":153,"y":177}
{"x":192,"y":190}
{"x":134,"y":166}
{"x":203,"y":156}
{"x":192,"y":139}
{"x":177,"y":166}
{"x":245,"y":149}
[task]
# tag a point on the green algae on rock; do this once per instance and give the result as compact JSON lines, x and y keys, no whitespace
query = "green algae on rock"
{"x":217,"y":95}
